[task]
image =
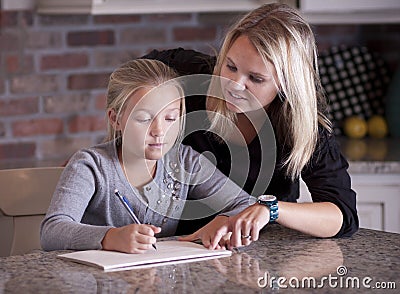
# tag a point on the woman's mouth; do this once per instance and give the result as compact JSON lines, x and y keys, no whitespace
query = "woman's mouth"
{"x":235,"y":96}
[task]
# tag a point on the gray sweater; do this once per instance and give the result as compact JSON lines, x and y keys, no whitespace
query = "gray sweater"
{"x":84,"y":206}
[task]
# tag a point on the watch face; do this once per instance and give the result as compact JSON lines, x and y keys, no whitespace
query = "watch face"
{"x":267,"y":198}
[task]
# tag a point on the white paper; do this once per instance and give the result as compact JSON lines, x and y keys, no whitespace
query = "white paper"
{"x":167,"y":252}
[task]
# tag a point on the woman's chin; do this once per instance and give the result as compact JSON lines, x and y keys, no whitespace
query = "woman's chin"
{"x":234,"y":108}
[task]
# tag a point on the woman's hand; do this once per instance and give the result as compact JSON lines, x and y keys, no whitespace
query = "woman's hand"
{"x":246,"y":225}
{"x":213,"y":235}
{"x":131,"y":238}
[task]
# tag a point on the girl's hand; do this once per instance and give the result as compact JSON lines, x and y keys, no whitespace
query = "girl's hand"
{"x":131,"y":238}
{"x":246,"y":225}
{"x":211,"y":235}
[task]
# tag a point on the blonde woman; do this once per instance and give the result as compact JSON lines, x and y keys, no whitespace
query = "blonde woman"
{"x":270,"y":60}
{"x":144,"y":161}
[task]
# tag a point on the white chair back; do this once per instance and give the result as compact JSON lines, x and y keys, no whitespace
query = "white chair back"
{"x":25,"y":195}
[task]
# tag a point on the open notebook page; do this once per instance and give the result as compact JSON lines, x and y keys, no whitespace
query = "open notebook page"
{"x":167,"y":252}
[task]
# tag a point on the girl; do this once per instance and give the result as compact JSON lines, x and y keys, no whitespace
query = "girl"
{"x":144,"y":162}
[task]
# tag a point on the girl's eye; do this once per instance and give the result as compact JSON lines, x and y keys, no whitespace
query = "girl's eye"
{"x":256,"y":79}
{"x":231,"y":67}
{"x":142,"y":120}
{"x":171,"y":119}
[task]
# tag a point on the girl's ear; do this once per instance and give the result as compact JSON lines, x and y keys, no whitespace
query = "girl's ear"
{"x":112,"y":117}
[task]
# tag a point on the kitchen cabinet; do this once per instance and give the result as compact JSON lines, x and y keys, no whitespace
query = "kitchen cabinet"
{"x":315,"y":11}
{"x":378,"y":200}
{"x":350,"y":11}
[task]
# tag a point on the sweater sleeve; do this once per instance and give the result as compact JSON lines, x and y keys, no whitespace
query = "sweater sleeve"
{"x":327,"y":179}
{"x":185,"y":62}
{"x":62,"y":227}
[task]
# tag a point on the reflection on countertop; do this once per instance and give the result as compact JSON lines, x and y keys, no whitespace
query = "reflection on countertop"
{"x":333,"y":264}
{"x":368,"y":155}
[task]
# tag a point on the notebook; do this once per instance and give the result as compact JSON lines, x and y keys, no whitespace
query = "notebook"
{"x":168,"y":252}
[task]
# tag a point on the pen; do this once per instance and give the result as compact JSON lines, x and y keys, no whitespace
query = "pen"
{"x":128,"y":207}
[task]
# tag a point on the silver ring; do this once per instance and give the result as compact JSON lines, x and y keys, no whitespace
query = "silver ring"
{"x":246,"y":237}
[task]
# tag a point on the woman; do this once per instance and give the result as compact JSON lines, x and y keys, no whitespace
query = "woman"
{"x":271,"y":54}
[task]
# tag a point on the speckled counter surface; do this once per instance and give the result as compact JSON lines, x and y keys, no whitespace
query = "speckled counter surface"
{"x":372,"y":156}
{"x":369,"y":256}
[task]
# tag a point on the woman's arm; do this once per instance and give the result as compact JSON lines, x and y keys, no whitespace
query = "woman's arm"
{"x":316,"y":219}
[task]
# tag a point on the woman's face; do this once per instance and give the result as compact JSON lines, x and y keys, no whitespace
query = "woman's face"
{"x":151,"y":122}
{"x":249,"y":83}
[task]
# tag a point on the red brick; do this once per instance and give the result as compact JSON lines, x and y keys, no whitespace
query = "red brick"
{"x":134,"y":36}
{"x":50,"y":126}
{"x":88,"y":81}
{"x":167,"y":17}
{"x":13,"y":18}
{"x":113,"y":58}
{"x":101,"y":101}
{"x":91,"y":38}
{"x":2,"y":87}
{"x":116,"y":19}
{"x":17,"y":150}
{"x":64,"y":61}
{"x":19,"y":64}
{"x":8,"y":18}
{"x":74,"y":102}
{"x":34,"y":84}
{"x":44,"y":39}
{"x":2,"y":130}
{"x":10,"y":41}
{"x":62,"y":147}
{"x":63,"y":20}
{"x":20,"y":106}
{"x":194,"y":33}
{"x":90,"y":123}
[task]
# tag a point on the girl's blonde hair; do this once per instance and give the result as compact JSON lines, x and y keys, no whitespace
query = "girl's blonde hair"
{"x":283,"y":38}
{"x":130,"y":77}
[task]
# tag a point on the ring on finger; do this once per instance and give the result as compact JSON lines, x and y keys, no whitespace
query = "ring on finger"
{"x":246,"y":237}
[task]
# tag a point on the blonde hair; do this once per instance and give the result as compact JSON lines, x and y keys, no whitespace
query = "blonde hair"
{"x":283,"y":38}
{"x":130,"y":77}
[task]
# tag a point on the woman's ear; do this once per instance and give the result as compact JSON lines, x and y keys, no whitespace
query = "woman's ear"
{"x":114,"y":121}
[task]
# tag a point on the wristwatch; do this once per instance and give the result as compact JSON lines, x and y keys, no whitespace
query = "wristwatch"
{"x":272,"y":203}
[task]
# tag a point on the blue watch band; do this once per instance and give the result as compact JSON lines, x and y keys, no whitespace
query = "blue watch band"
{"x":272,"y":203}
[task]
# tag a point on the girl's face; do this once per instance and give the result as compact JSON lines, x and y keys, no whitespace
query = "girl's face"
{"x":150,"y":122}
{"x":249,"y":83}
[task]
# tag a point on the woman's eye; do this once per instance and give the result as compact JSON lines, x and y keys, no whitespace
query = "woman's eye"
{"x":231,"y":67}
{"x":171,"y":119}
{"x":256,"y":79}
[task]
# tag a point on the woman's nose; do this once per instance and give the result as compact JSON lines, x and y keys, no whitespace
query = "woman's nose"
{"x":238,"y":84}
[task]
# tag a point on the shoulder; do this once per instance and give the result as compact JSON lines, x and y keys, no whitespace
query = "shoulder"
{"x":327,"y":155}
{"x":185,"y":62}
{"x":96,"y":158}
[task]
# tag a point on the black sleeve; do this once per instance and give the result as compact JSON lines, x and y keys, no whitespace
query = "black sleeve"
{"x":185,"y":62}
{"x":327,"y":179}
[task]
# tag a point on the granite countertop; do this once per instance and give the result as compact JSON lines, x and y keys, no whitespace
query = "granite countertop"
{"x":369,"y":256}
{"x":372,"y":156}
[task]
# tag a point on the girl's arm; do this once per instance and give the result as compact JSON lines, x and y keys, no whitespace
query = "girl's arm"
{"x":131,"y":238}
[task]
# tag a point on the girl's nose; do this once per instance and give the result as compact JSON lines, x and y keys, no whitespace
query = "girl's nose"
{"x":157,"y":128}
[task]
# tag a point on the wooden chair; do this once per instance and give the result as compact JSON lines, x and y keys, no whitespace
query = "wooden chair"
{"x":24,"y":198}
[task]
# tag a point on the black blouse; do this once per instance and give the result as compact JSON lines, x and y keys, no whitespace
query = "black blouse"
{"x":325,"y":174}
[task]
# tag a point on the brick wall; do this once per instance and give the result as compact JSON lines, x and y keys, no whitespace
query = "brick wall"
{"x":54,"y":70}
